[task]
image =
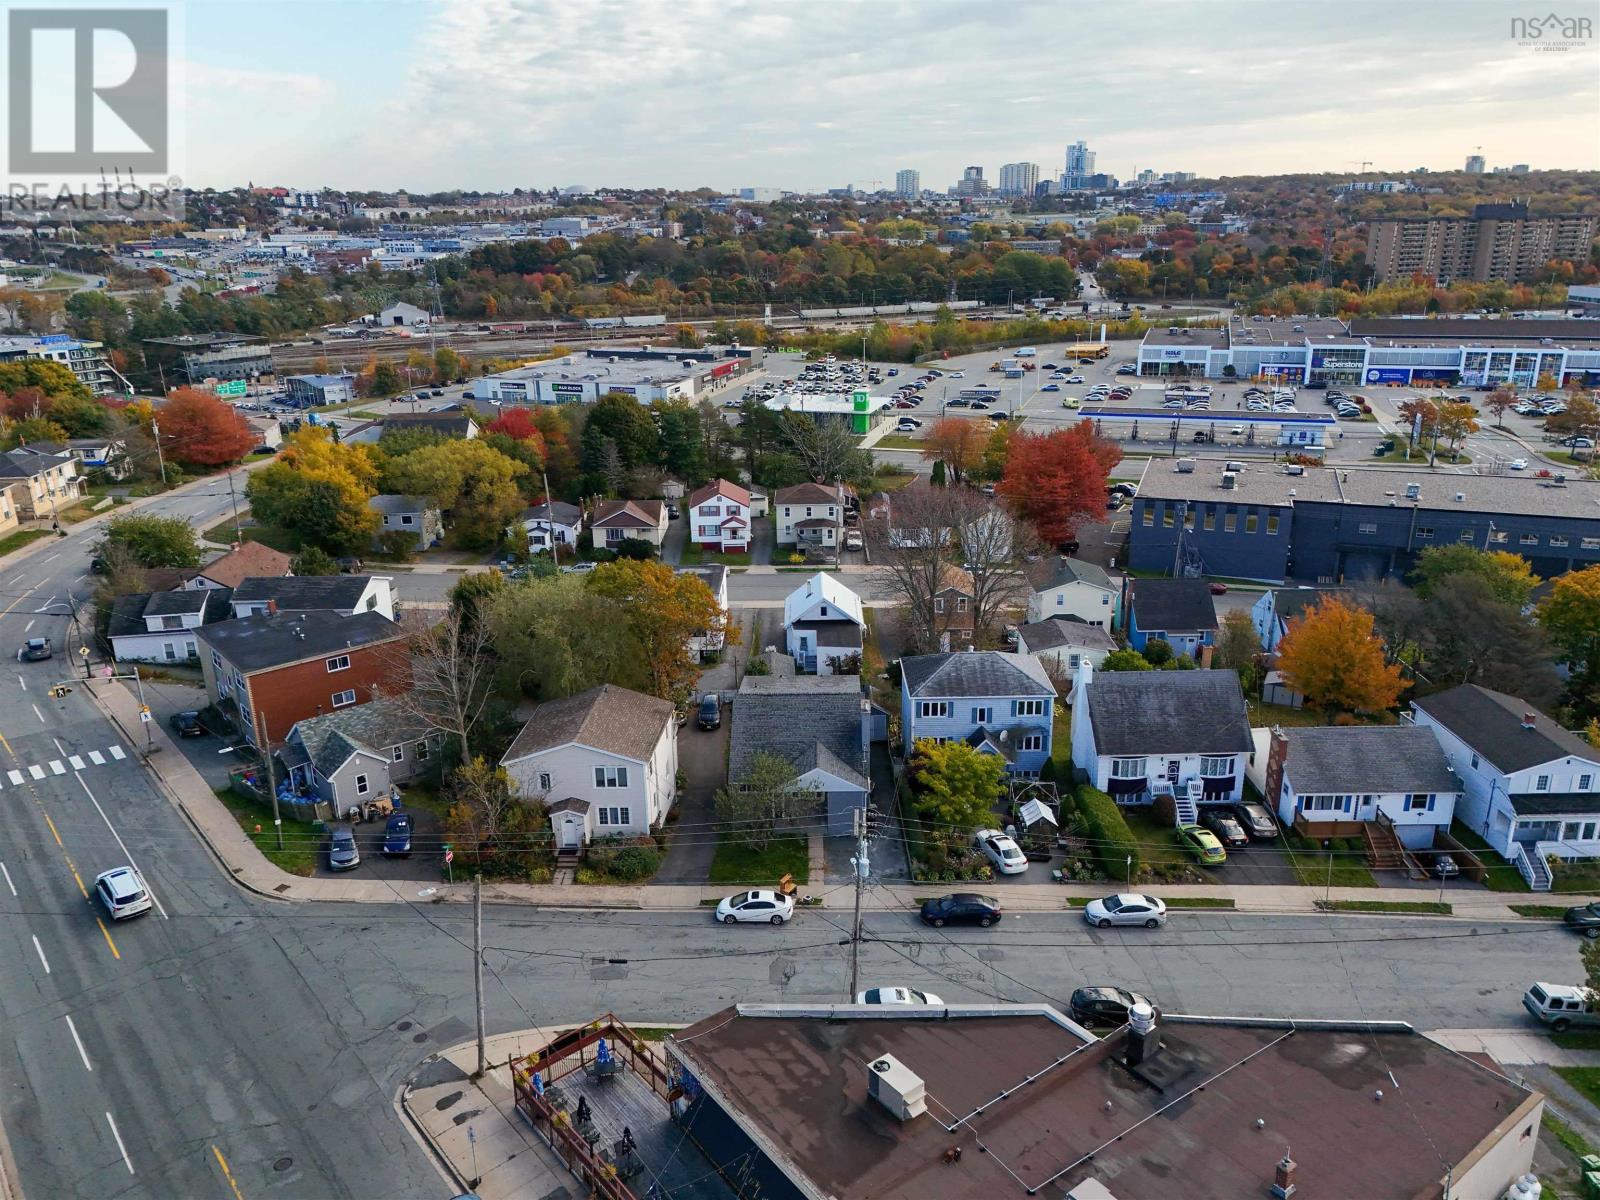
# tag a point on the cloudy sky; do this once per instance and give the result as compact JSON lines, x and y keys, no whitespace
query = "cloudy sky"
{"x":803,"y":94}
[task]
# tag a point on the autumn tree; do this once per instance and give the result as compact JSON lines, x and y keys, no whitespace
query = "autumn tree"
{"x":1419,"y":414}
{"x":1500,"y":401}
{"x":1455,"y":421}
{"x":955,"y":785}
{"x":200,"y":430}
{"x":319,"y":488}
{"x":1474,"y":635}
{"x":473,"y":483}
{"x":1056,"y":480}
{"x":662,"y":610}
{"x":554,"y":637}
{"x":1571,"y":616}
{"x":1509,"y":576}
{"x":489,"y":827}
{"x":1582,"y":417}
{"x":761,"y":802}
{"x":1331,"y":657}
{"x":958,"y":443}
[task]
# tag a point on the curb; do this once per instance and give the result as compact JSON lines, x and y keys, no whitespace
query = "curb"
{"x":441,"y":1161}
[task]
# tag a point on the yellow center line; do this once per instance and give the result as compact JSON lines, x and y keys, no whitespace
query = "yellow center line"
{"x":227,"y":1174}
{"x":52,"y":825}
{"x":114,"y":952}
{"x":73,"y":867}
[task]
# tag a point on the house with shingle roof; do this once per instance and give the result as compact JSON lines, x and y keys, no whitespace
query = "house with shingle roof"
{"x":1071,"y":587}
{"x":343,"y":594}
{"x":355,"y":755}
{"x":999,"y":703}
{"x":1061,"y":643}
{"x":719,"y":517}
{"x":551,"y":524}
{"x":604,"y":762}
{"x":810,"y":514}
{"x":618,"y":520}
{"x":816,"y":723}
{"x":1277,"y":607}
{"x":1178,"y":611}
{"x":823,"y":625}
{"x":158,"y":627}
{"x":417,"y":516}
{"x":232,"y":568}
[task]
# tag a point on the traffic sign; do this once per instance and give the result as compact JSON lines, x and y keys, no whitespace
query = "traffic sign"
{"x":233,"y":387}
{"x":144,"y":715}
{"x":449,"y":856}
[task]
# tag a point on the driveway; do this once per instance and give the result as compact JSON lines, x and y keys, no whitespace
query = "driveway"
{"x":677,"y":537}
{"x":703,"y":759}
{"x":763,"y":532}
{"x":1259,"y":864}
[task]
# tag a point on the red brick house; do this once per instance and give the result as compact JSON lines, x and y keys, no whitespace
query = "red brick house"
{"x":954,"y":609}
{"x":266,"y":673}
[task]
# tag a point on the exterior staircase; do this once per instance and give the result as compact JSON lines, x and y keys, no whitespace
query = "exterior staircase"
{"x":1383,"y":848}
{"x":1534,"y":867}
{"x":1186,"y":804}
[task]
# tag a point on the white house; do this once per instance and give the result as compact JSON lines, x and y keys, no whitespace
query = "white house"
{"x":618,"y":520}
{"x":819,"y":724}
{"x":1070,"y":587}
{"x":554,"y":525}
{"x":1137,"y":734}
{"x":705,"y":646}
{"x":346,"y":595}
{"x":719,"y":517}
{"x":1395,"y":776}
{"x":246,"y":560}
{"x":159,"y":626}
{"x":1271,"y":614}
{"x":810,"y":515}
{"x":999,"y":703}
{"x":605,"y":763}
{"x":1529,"y":788}
{"x":1061,"y":644}
{"x":823,"y":624}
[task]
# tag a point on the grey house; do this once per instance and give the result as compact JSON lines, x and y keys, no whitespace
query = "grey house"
{"x":817,"y":723}
{"x":355,"y":755}
{"x":416,"y":515}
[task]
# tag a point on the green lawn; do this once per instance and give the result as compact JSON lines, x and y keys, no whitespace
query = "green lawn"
{"x":1278,"y":714}
{"x":1550,"y":912}
{"x":21,"y":538}
{"x":898,"y":441}
{"x":1311,"y":862}
{"x":1158,"y":839}
{"x":1390,"y":906}
{"x":1499,"y":875}
{"x":1577,"y":1039}
{"x":1583,"y":1079}
{"x":286,"y":540}
{"x":302,"y":844}
{"x":746,"y":866}
{"x":693,"y":555}
{"x":1569,"y":1137}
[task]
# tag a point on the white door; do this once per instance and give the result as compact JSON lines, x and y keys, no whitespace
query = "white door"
{"x":571,"y":833}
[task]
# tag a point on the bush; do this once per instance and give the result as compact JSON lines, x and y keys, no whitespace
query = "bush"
{"x":1157,"y":652}
{"x":1108,"y":830}
{"x":397,"y":544}
{"x":624,"y":860}
{"x":636,"y":548}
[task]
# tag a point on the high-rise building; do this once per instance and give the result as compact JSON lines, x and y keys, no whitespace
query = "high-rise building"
{"x":908,"y":184}
{"x":1080,"y":165}
{"x":972,"y":183}
{"x":1475,"y":164}
{"x":1019,"y":179}
{"x":1519,"y":168}
{"x":1497,"y":242}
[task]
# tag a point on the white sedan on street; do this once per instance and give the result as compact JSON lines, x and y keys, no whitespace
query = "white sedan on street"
{"x":1003,"y":853}
{"x":898,"y":995}
{"x":1126,"y":908}
{"x":766,"y":906}
{"x":1518,"y":464}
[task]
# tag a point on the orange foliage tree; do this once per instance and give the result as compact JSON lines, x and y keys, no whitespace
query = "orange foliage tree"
{"x":1332,"y":657}
{"x":958,"y":443}
{"x":1055,"y":480}
{"x":199,"y":429}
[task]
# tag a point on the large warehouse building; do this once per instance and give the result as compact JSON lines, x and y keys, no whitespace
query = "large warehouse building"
{"x":646,"y":372}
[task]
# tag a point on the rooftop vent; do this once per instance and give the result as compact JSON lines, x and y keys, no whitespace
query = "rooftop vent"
{"x":1460,"y":497}
{"x":1530,"y":720}
{"x":1186,"y":466}
{"x":1229,"y":480}
{"x":1413,"y":491}
{"x":1144,"y":1039}
{"x":1294,"y":469}
{"x":897,"y":1087}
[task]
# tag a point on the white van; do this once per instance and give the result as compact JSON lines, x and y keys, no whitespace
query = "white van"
{"x":1561,"y":1006}
{"x":1027,"y":351}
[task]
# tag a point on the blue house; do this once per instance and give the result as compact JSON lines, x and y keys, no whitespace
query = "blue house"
{"x":1177,"y":610}
{"x":996,"y":702}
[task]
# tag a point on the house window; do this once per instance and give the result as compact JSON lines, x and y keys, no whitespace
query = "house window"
{"x":615,"y":816}
{"x":611,"y":777}
{"x":1529,"y":539}
{"x":172,"y":622}
{"x":544,"y":781}
{"x":983,"y":715}
{"x":361,"y":785}
{"x":1250,"y":522}
{"x":1558,"y":541}
{"x":341,"y":663}
{"x":1105,"y":599}
{"x":1216,"y":767}
{"x":1210,"y":522}
{"x":1474,"y":762}
{"x":1073,"y":660}
{"x":1149,"y":516}
{"x":1127,"y":768}
{"x":1419,"y":802}
{"x":933,"y":708}
{"x":1061,"y":600}
{"x":1168,"y":517}
{"x":1272,"y":524}
{"x":346,"y":697}
{"x":1424,"y":533}
{"x":1583,"y":782}
{"x":406,"y":519}
{"x":397,"y":753}
{"x":1030,"y":741}
{"x":1497,"y":536}
{"x":171,"y":651}
{"x":422,"y":750}
{"x":1590,"y":543}
{"x":1027,"y":708}
{"x":961,"y":604}
{"x":1230,"y":522}
{"x":1467,"y":536}
{"x":1542,"y":784}
{"x":1367,"y":527}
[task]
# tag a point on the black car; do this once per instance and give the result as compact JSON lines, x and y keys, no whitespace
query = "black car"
{"x":397,"y":835}
{"x":186,"y":724}
{"x":1226,"y":826}
{"x":1257,"y":821}
{"x":710,"y":713}
{"x":961,"y":908}
{"x":1585,"y":919}
{"x":1103,"y":1005}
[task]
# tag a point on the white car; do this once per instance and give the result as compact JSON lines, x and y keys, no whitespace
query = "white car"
{"x":759,"y":905}
{"x":898,"y":995}
{"x":122,"y":892}
{"x":1518,"y":464}
{"x":1075,"y":379}
{"x":958,"y":374}
{"x":1126,"y":908}
{"x":1001,"y":851}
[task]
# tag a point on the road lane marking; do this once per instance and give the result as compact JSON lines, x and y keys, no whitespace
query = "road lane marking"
{"x":56,"y":768}
{"x":124,"y":846}
{"x":7,"y":874}
{"x":60,"y":749}
{"x":110,"y":1120}
{"x":53,"y":831}
{"x":97,"y":758}
{"x":22,"y":683}
{"x":82,"y":1053}
{"x":77,"y":763}
{"x":15,"y":777}
{"x":37,"y":713}
{"x":36,"y":771}
{"x":27,"y":627}
{"x":116,"y":753}
{"x":227,"y":1174}
{"x":79,"y":878}
{"x":52,"y":558}
{"x":115,"y":953}
{"x":42,"y":958}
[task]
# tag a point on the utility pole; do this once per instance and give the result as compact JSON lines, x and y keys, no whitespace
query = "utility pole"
{"x":477,"y":964}
{"x":862,"y":866}
{"x":550,"y":521}
{"x":266,"y":760}
{"x":238,"y":530}
{"x":161,"y":463}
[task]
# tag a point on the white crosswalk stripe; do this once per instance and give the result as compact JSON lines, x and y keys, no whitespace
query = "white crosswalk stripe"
{"x":56,"y":768}
{"x":15,"y":777}
{"x":97,"y":758}
{"x":77,"y":763}
{"x":116,"y":753}
{"x":36,"y":771}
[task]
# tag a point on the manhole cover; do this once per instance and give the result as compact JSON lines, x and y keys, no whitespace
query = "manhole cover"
{"x":283,"y":1164}
{"x":421,"y":1037}
{"x":403,"y":1026}
{"x":282,"y":887}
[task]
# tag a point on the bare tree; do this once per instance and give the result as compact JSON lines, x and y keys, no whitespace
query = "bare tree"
{"x":451,"y":671}
{"x":827,"y":449}
{"x":993,"y":553}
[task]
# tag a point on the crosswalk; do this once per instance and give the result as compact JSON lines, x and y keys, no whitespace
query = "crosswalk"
{"x":54,"y":766}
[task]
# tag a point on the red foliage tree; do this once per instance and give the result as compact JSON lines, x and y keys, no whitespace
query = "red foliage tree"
{"x":1055,"y":480}
{"x":198,"y":428}
{"x":517,"y":424}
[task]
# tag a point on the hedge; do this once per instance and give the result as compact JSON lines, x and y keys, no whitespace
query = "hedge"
{"x":1113,"y":840}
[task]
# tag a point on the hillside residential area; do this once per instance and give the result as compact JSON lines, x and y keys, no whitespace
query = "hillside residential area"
{"x":801,"y":666}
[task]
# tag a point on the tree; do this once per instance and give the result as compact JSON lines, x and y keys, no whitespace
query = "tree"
{"x":1419,"y":414}
{"x":1126,"y":659}
{"x":491,"y":828}
{"x":554,"y":637}
{"x":320,"y":488}
{"x":1475,"y":636}
{"x":1500,"y":401}
{"x":31,"y":430}
{"x":1455,"y":421}
{"x":1157,"y":652}
{"x":762,"y":799}
{"x":80,"y":416}
{"x":1582,"y":417}
{"x":313,"y":560}
{"x":448,"y":666}
{"x":619,"y":418}
{"x":198,"y":429}
{"x":1570,"y":614}
{"x":1509,"y":576}
{"x":662,"y":610}
{"x":827,"y":450}
{"x":384,"y":380}
{"x":682,"y":452}
{"x":50,"y":379}
{"x":955,"y":785}
{"x":996,"y":452}
{"x":1331,"y":657}
{"x":473,"y":591}
{"x":1238,"y":647}
{"x":956,"y":442}
{"x":151,"y":541}
{"x":471,"y":481}
{"x":1055,"y":480}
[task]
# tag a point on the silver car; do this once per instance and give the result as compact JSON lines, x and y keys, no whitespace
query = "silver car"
{"x":1126,"y":908}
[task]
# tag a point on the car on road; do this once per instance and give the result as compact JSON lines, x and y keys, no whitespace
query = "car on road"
{"x":1225,"y":826}
{"x":763,"y":905}
{"x":123,"y":893}
{"x":999,"y":414}
{"x":397,"y":835}
{"x":579,"y":568}
{"x":1070,"y":402}
{"x":893,"y":371}
{"x":1103,"y":1005}
{"x":709,"y":714}
{"x":1126,"y":908}
{"x":853,"y":539}
{"x":1561,"y":1006}
{"x":1217,"y":588}
{"x":1257,"y":821}
{"x":1585,"y":919}
{"x":1203,"y":844}
{"x":958,"y":374}
{"x":187,"y":723}
{"x":343,"y":855}
{"x":1518,"y":464}
{"x":1051,"y":387}
{"x":35,"y":650}
{"x":898,"y":995}
{"x":961,"y":908}
{"x":1003,"y":853}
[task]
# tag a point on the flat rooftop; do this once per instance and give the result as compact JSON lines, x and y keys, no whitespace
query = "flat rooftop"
{"x":821,"y":402}
{"x":1258,"y":483}
{"x":577,"y":368}
{"x":1036,"y":1110}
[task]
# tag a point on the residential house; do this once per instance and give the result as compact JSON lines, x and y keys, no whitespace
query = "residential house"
{"x":450,"y":423}
{"x":268,"y":431}
{"x":1138,"y":734}
{"x":1277,"y":607}
{"x":1529,"y":788}
{"x":1395,"y":776}
{"x":417,"y":516}
{"x":552,"y":525}
{"x":810,"y":515}
{"x":954,"y":608}
{"x":357,"y":754}
{"x":246,"y":560}
{"x":346,"y":595}
{"x":1061,"y":643}
{"x":999,"y":703}
{"x":719,"y":517}
{"x":40,"y":485}
{"x":10,"y":500}
{"x":823,"y":625}
{"x":1071,"y":587}
{"x":108,"y":455}
{"x":605,"y":763}
{"x":159,"y":627}
{"x":705,"y":645}
{"x":266,"y":673}
{"x":759,"y":506}
{"x":817,"y":724}
{"x":1179,"y":611}
{"x":616,"y":521}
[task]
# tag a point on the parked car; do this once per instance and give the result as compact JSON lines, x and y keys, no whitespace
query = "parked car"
{"x":898,"y":995}
{"x":709,"y":714}
{"x":122,"y":892}
{"x":1126,"y":908}
{"x":853,"y":539}
{"x":1585,"y":919}
{"x":961,"y":908}
{"x":1217,"y":588}
{"x":397,"y":835}
{"x":1257,"y":821}
{"x":763,"y":905}
{"x":1051,"y":387}
{"x":1003,"y":853}
{"x":579,"y":568}
{"x":1091,"y":1006}
{"x":1075,"y":379}
{"x":342,"y":852}
{"x":1202,"y":843}
{"x":1070,"y":402}
{"x":349,"y":565}
{"x":187,"y":724}
{"x":1518,"y":464}
{"x":1444,"y":866}
{"x":1560,"y":1005}
{"x":1225,"y":826}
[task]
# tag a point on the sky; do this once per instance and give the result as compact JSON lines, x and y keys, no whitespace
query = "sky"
{"x":496,"y":94}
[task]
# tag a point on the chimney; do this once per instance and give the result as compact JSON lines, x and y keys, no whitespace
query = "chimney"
{"x":272,"y":608}
{"x":1530,"y":720}
{"x":1283,"y":1178}
{"x":1144,"y":1039}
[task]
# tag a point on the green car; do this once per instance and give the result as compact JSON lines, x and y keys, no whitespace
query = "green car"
{"x":1202,"y":843}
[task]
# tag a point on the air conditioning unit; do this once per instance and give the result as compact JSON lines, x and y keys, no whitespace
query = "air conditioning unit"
{"x":1413,"y":491}
{"x":1229,"y":480}
{"x":897,"y":1087}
